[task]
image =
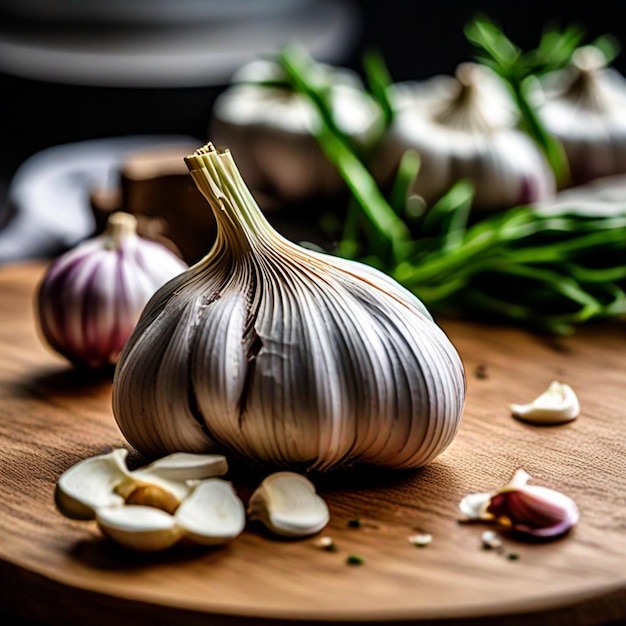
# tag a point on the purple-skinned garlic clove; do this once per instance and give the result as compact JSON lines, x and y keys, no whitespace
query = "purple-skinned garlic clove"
{"x":527,"y":510}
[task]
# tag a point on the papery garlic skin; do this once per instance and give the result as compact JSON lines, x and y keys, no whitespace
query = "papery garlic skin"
{"x":284,"y":355}
{"x":271,"y":130}
{"x":465,"y":128}
{"x":91,"y":297}
{"x":584,"y":107}
{"x":528,"y":510}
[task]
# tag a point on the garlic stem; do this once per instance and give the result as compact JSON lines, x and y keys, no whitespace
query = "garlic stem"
{"x":464,"y":111}
{"x":120,"y":226}
{"x":240,"y":222}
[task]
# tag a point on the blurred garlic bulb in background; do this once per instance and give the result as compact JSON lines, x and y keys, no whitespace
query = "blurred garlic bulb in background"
{"x":270,"y":129}
{"x":91,"y":297}
{"x":465,"y":127}
{"x":284,"y":355}
{"x":584,"y":107}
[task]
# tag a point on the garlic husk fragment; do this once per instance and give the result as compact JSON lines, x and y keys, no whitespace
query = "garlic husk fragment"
{"x":286,"y":503}
{"x":527,"y":510}
{"x":464,"y":127}
{"x":284,"y":355}
{"x":91,"y":297}
{"x":105,"y":481}
{"x":584,"y":107}
{"x":271,"y":129}
{"x":556,"y":405}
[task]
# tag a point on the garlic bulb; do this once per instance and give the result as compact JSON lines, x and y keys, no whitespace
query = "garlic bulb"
{"x":285,"y":355}
{"x":464,"y":127}
{"x":90,"y":298}
{"x":584,"y":107}
{"x":270,"y":130}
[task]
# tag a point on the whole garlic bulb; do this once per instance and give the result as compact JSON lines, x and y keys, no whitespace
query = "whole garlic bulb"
{"x":464,"y":127}
{"x":90,"y":298}
{"x":270,"y":130}
{"x":584,"y":107}
{"x":284,"y":355}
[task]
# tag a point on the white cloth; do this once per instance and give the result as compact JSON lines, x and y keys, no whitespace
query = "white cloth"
{"x":48,"y":198}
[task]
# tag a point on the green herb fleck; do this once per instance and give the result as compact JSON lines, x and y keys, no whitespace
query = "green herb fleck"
{"x":354,"y":559}
{"x":355,"y":523}
{"x":512,"y":556}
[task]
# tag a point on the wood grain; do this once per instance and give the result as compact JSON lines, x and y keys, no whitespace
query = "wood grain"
{"x":62,"y":572}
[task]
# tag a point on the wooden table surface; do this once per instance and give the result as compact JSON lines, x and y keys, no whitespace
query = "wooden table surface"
{"x":58,"y":571}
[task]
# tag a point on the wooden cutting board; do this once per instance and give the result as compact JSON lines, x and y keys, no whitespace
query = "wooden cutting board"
{"x":58,"y":571}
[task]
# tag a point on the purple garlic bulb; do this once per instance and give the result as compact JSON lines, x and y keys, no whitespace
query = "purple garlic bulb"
{"x":91,"y":297}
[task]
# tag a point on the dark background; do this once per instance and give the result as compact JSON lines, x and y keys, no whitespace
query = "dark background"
{"x":417,"y":38}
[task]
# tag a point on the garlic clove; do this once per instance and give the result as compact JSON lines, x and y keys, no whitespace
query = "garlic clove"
{"x":286,"y":503}
{"x":140,"y":528}
{"x":527,"y":510}
{"x":556,"y":405}
{"x":213,"y":514}
{"x":186,"y":466}
{"x":534,"y":511}
{"x":106,"y":481}
{"x":90,"y":484}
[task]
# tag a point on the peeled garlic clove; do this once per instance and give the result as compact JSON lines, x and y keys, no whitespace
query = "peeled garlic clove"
{"x":271,"y":130}
{"x":186,"y":466}
{"x":213,"y":514}
{"x":285,"y":355}
{"x":286,"y":503}
{"x":140,"y":528}
{"x":91,"y":297}
{"x":527,"y":510}
{"x":90,"y":484}
{"x":106,"y":481}
{"x":557,"y":404}
{"x":465,"y":128}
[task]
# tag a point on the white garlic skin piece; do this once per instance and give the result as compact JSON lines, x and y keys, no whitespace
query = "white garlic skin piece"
{"x":283,"y":355}
{"x":270,"y":131}
{"x":584,"y":107}
{"x":464,"y":127}
{"x":91,"y":297}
